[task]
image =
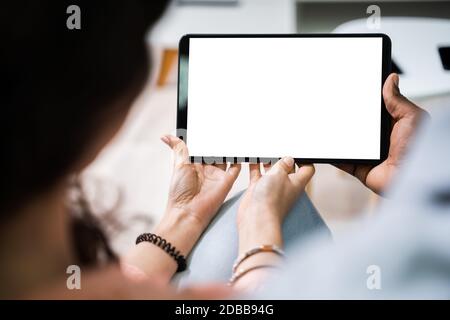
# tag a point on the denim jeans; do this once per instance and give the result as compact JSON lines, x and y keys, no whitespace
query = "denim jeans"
{"x":213,"y":256}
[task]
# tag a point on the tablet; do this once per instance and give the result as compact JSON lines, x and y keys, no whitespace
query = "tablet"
{"x":316,"y":97}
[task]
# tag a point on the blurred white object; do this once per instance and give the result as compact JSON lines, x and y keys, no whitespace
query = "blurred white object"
{"x":249,"y":16}
{"x":415,"y":44}
{"x":400,"y":252}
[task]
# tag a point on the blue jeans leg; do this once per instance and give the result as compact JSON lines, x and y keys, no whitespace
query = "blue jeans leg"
{"x":213,"y":256}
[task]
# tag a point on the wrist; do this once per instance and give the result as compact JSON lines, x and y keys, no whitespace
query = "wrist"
{"x":257,"y":217}
{"x":176,"y":227}
{"x":179,"y":228}
{"x":259,"y":229}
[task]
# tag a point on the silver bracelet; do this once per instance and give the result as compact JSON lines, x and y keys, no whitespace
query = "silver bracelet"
{"x":241,"y":272}
{"x":262,"y":248}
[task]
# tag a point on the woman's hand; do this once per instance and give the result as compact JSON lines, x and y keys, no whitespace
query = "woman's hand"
{"x":196,"y":193}
{"x":267,"y":201}
{"x":405,"y":116}
{"x":197,"y":190}
{"x":261,"y":213}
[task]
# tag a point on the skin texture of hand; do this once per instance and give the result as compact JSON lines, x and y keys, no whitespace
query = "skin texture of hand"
{"x":267,"y":200}
{"x":261,"y":213}
{"x":405,"y":118}
{"x":197,"y":190}
{"x":196,"y":193}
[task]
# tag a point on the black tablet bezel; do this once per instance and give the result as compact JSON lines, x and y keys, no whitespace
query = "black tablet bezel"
{"x":182,"y":96}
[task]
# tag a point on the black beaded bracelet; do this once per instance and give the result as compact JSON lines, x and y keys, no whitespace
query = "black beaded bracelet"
{"x":166,"y":246}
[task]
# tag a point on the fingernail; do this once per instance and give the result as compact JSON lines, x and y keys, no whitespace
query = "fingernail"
{"x":165,"y":139}
{"x":289,"y":161}
{"x":396,"y":80}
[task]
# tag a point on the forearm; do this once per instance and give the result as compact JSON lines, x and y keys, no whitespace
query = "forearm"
{"x":259,"y":230}
{"x":178,"y":229}
{"x":253,"y":279}
{"x":260,"y":233}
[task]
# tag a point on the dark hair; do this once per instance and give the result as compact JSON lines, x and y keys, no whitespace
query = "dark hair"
{"x":60,"y":85}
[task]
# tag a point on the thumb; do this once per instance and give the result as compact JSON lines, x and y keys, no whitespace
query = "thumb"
{"x":303,"y":175}
{"x":284,"y":165}
{"x":396,"y":104}
{"x":178,"y":147}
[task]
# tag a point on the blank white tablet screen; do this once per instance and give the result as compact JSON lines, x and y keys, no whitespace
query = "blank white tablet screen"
{"x":274,"y":97}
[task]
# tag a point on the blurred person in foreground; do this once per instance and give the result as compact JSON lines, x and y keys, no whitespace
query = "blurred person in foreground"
{"x":67,"y":94}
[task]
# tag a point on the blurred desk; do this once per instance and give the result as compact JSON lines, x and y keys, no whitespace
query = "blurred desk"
{"x":248,"y":16}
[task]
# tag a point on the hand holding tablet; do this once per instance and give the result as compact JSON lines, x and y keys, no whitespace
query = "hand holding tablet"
{"x":256,"y":97}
